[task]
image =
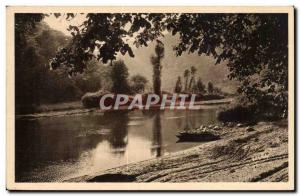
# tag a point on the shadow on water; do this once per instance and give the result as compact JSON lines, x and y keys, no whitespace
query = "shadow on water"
{"x":119,"y":130}
{"x":156,"y":140}
{"x":53,"y":148}
{"x":156,"y":148}
{"x":37,"y":147}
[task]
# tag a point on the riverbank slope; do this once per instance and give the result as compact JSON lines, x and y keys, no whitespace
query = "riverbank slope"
{"x":76,"y":108}
{"x":241,"y":155}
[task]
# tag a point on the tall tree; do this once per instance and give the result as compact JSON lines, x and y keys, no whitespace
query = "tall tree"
{"x":119,"y":77}
{"x":26,"y":59}
{"x":156,"y":62}
{"x":186,"y":75}
{"x":91,"y":79}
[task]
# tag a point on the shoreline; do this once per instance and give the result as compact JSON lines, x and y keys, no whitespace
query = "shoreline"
{"x":239,"y":156}
{"x":79,"y":109}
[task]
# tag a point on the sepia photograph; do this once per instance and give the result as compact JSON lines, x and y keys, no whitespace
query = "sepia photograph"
{"x":150,"y":98}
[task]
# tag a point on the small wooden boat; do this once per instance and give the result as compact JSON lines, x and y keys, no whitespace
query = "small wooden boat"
{"x":197,"y":136}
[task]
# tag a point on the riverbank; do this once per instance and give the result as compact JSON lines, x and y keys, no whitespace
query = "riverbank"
{"x":59,"y":106}
{"x":243,"y":154}
{"x":76,"y":108}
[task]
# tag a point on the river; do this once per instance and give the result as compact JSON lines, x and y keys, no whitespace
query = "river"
{"x":59,"y":148}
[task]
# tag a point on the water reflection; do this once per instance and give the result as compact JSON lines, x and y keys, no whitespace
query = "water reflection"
{"x":157,"y":137}
{"x":50,"y":149}
{"x":190,"y":120}
{"x":119,"y":130}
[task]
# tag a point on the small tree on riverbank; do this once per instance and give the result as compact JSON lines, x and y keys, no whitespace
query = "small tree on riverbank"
{"x":210,"y":88}
{"x":200,"y":87}
{"x":178,"y":86}
{"x":138,"y":83}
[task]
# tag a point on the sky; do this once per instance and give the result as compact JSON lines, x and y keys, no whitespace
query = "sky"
{"x":61,"y":24}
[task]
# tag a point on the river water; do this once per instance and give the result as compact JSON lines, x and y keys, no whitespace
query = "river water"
{"x":59,"y":148}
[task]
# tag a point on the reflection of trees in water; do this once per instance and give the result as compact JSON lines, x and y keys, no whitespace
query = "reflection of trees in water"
{"x":151,"y":113}
{"x":40,"y":143}
{"x":49,"y":144}
{"x":118,"y":138}
{"x":194,"y":119}
{"x":23,"y":146}
{"x":191,"y":120}
{"x":157,"y":137}
{"x":179,"y":122}
{"x":210,"y":116}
